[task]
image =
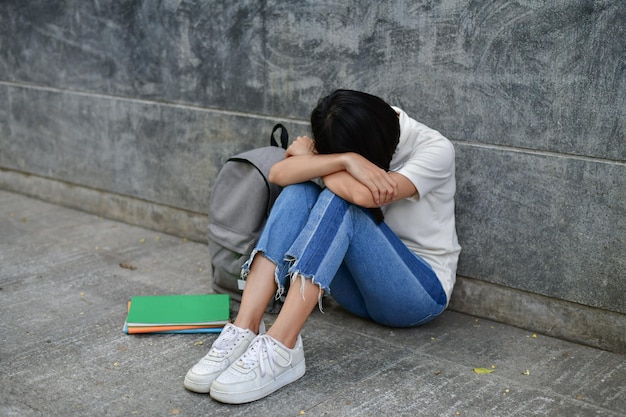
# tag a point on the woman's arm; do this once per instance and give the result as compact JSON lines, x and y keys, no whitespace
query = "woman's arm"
{"x":351,"y":176}
{"x":300,"y":168}
{"x":302,"y":163}
{"x":350,"y":189}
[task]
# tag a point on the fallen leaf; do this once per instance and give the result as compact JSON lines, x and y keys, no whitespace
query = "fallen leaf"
{"x":526,"y":372}
{"x":128,"y":266}
{"x":142,"y":240}
{"x":198,"y":343}
{"x":483,"y":371}
{"x":24,"y":219}
{"x":175,"y":411}
{"x":534,"y":336}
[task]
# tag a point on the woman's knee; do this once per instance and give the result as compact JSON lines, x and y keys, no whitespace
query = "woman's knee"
{"x":301,"y":192}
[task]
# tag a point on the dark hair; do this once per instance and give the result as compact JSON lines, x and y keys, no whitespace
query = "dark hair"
{"x":352,"y":121}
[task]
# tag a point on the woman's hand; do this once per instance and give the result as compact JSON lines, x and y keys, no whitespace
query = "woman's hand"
{"x":378,"y":181}
{"x":303,"y":145}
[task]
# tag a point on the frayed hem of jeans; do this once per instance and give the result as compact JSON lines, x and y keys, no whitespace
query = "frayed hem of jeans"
{"x":245,"y":271}
{"x":293,"y":276}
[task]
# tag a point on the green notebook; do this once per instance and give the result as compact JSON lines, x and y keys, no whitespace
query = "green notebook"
{"x":191,"y":309}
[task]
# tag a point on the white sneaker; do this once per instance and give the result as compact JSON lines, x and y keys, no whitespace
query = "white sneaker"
{"x":266,"y":366}
{"x":227,"y":348}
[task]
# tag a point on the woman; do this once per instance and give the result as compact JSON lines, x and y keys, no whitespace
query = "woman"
{"x":375,"y":163}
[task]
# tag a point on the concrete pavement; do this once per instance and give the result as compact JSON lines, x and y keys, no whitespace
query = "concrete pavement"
{"x":63,"y":297}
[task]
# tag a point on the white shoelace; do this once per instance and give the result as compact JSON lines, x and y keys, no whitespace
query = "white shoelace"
{"x":254,"y":355}
{"x":224,"y":342}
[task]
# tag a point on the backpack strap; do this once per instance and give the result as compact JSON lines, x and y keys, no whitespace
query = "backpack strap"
{"x":263,"y":158}
{"x":284,"y":136}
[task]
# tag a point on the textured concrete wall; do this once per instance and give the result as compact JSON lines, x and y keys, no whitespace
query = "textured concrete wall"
{"x":145,"y":99}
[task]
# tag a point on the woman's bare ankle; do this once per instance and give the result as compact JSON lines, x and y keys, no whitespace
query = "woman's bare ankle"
{"x":251,"y":325}
{"x":286,"y":339}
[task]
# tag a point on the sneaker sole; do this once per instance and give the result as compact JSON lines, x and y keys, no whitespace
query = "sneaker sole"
{"x":288,"y":377}
{"x":200,"y":388}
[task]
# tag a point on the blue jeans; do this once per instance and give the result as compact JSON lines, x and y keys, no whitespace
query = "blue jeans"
{"x":314,"y":234}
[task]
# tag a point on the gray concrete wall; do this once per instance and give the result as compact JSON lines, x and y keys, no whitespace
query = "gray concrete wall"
{"x":128,"y":109}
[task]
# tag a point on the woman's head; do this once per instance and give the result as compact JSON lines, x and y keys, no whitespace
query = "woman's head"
{"x":352,"y":121}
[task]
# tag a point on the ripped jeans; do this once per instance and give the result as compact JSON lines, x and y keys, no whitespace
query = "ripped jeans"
{"x":314,"y":234}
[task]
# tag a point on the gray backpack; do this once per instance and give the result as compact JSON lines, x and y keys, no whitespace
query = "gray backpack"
{"x":238,"y":208}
